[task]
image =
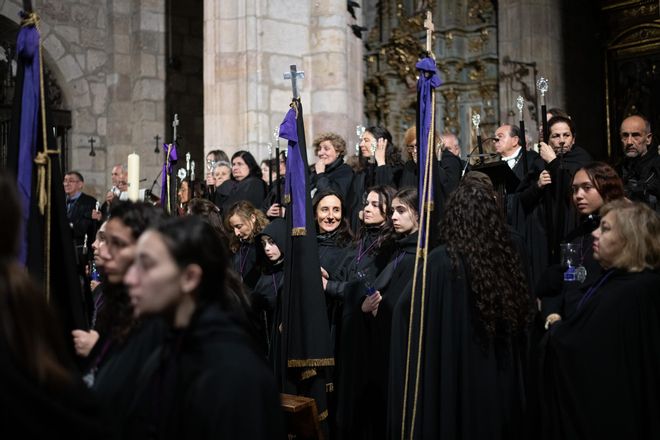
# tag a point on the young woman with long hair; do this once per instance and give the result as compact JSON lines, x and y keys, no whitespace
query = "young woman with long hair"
{"x":244,"y":222}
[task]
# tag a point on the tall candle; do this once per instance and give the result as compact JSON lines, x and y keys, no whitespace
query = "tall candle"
{"x":133,"y":177}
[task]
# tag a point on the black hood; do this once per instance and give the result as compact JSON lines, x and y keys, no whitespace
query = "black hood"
{"x":275,"y":230}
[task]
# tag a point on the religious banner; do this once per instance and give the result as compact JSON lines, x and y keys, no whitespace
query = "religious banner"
{"x":46,"y":243}
{"x":305,"y":356}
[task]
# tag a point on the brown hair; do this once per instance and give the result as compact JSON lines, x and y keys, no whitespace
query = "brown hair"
{"x":337,"y":142}
{"x":245,"y":210}
{"x":606,"y":181}
{"x":639,"y":227}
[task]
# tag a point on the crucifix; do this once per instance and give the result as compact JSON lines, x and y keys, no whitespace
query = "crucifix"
{"x":157,"y":139}
{"x":293,"y":74}
{"x":175,"y":124}
{"x":91,"y":145}
{"x":428,"y":25}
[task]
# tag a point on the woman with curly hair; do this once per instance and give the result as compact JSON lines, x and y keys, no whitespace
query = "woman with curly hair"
{"x":593,"y":186}
{"x":245,"y":222}
{"x":330,"y":172}
{"x":379,"y":164}
{"x":456,"y":363}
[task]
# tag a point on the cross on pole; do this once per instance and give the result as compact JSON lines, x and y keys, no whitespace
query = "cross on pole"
{"x":157,"y":139}
{"x":175,"y":124}
{"x":91,"y":144}
{"x":428,"y":25}
{"x":293,"y":74}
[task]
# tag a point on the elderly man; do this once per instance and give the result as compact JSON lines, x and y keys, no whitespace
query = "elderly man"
{"x":640,"y":167}
{"x":119,"y":178}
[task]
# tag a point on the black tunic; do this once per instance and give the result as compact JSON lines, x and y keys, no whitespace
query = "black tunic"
{"x":207,"y":382}
{"x":469,"y":388}
{"x":365,"y":348}
{"x":251,"y":189}
{"x":337,"y":177}
{"x":602,"y":366}
{"x":244,"y":263}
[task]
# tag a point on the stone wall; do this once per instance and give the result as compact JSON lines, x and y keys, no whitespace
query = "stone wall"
{"x":108,"y":58}
{"x":249,"y":44}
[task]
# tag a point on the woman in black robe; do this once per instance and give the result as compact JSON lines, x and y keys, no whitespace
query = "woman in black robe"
{"x":209,"y":379}
{"x":246,"y":183}
{"x":330,"y":172}
{"x":593,"y":186}
{"x":601,"y":370}
{"x":476,"y":309}
{"x":366,"y":335}
{"x":244,"y":222}
{"x":379,"y":164}
{"x":270,"y":255}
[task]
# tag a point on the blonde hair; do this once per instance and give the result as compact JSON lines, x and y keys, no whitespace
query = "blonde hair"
{"x":639,"y":228}
{"x":246,"y":210}
{"x":338,"y":143}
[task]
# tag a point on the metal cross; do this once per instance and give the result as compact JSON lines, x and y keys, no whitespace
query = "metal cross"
{"x":157,"y":139}
{"x":175,"y":124}
{"x":293,"y":74}
{"x":428,"y":24}
{"x":91,"y":144}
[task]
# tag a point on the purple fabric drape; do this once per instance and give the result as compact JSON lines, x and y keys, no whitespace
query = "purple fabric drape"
{"x":428,"y":80}
{"x":294,"y":180}
{"x":27,"y":48}
{"x":170,"y":158}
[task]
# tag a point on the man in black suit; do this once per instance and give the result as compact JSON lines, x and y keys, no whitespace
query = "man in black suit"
{"x":79,"y":207}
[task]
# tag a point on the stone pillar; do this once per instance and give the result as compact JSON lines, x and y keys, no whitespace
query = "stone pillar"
{"x":530,"y":31}
{"x":248,"y":45}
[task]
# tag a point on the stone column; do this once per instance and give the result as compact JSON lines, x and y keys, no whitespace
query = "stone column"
{"x":248,"y":45}
{"x":530,"y":31}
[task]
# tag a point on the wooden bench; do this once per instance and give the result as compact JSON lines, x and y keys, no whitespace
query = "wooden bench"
{"x":302,"y":421}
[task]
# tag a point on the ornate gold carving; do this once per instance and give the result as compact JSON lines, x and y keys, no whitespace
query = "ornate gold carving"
{"x":451,"y":110}
{"x":480,"y":11}
{"x":478,"y":42}
{"x":641,"y":34}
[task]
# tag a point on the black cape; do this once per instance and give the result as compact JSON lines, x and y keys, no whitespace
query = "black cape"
{"x":601,"y":374}
{"x":207,"y":382}
{"x":468,"y":389}
{"x":338,"y":177}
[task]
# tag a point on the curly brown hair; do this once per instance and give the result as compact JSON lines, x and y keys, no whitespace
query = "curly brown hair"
{"x":246,"y":210}
{"x":474,"y":232}
{"x":337,"y":142}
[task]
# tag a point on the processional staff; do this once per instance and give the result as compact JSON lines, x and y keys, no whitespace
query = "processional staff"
{"x":522,"y":141}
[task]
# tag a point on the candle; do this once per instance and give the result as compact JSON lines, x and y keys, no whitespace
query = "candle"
{"x":133,"y":177}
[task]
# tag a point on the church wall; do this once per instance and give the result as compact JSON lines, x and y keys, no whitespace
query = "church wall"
{"x":108,"y":58}
{"x":248,"y":45}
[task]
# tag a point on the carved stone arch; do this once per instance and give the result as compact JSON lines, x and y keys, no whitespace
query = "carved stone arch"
{"x":640,"y":35}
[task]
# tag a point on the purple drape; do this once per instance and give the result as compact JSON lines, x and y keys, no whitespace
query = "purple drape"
{"x":27,"y":48}
{"x":170,"y":158}
{"x":428,"y":80}
{"x":294,"y":180}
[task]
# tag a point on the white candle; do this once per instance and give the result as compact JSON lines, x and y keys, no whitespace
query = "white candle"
{"x":133,"y":177}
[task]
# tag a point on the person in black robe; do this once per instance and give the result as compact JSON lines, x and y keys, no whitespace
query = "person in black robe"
{"x":330,"y":172}
{"x":593,"y":186}
{"x":373,"y":244}
{"x":563,"y":158}
{"x":640,"y":167}
{"x":247,"y":183}
{"x":208,"y":380}
{"x":42,"y":395}
{"x":524,"y":214}
{"x":244,"y":222}
{"x":448,"y":171}
{"x":601,"y":365}
{"x":366,"y":335}
{"x":470,"y":382}
{"x":124,"y":343}
{"x":270,"y":253}
{"x":379,"y":164}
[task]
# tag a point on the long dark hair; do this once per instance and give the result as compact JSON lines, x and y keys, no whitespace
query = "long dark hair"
{"x":386,"y":231}
{"x":392,"y":153}
{"x":250,"y":161}
{"x":191,"y":240}
{"x":474,"y":232}
{"x":344,"y":235}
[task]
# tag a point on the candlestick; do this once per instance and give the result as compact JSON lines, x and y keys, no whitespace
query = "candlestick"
{"x":133,"y":177}
{"x":520,"y":103}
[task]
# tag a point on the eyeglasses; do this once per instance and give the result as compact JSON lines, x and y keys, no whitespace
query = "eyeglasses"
{"x":71,"y":180}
